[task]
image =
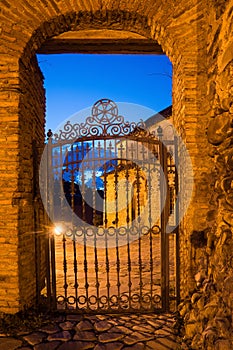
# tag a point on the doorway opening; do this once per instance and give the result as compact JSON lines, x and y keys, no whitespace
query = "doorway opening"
{"x":68,"y":281}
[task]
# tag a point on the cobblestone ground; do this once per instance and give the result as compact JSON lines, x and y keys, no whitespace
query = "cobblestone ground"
{"x":108,"y":332}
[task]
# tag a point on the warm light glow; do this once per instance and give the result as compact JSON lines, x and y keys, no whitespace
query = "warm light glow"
{"x":58,"y":230}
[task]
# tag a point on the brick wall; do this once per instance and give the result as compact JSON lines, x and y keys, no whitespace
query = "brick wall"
{"x":31,"y":143}
{"x":9,"y":213}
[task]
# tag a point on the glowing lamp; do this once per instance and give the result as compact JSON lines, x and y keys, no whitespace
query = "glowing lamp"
{"x":57,"y":230}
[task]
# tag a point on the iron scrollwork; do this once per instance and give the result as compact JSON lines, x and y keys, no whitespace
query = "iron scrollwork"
{"x":104,"y":121}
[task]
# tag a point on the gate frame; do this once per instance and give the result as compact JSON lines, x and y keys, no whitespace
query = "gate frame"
{"x":164,"y":240}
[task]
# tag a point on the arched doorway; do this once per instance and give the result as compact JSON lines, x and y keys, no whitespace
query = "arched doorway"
{"x":25,"y":110}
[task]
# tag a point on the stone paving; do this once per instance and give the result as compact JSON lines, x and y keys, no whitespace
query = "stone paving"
{"x":99,"y":332}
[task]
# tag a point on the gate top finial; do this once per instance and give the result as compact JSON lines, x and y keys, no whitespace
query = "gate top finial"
{"x":105,"y":111}
{"x":49,"y":133}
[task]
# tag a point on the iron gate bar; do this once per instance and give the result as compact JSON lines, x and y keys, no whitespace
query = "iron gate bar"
{"x":150,"y":231}
{"x":53,"y":270}
{"x":118,"y":267}
{"x":105,"y":187}
{"x":65,"y":269}
{"x":177,"y":259}
{"x":48,"y":269}
{"x":96,"y":272}
{"x":172,"y":166}
{"x":164,"y":220}
{"x":48,"y":242}
{"x":116,"y":192}
{"x":94,"y":185}
{"x":75,"y":271}
{"x":85,"y":266}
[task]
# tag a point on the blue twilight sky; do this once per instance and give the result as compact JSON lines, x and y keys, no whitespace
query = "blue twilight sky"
{"x":74,"y":82}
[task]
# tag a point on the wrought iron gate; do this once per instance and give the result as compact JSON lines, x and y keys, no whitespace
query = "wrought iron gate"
{"x":111,"y":197}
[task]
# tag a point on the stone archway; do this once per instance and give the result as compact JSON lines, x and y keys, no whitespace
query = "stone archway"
{"x":23,"y":108}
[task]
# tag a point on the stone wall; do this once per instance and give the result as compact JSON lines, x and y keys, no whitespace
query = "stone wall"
{"x":208,"y":312}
